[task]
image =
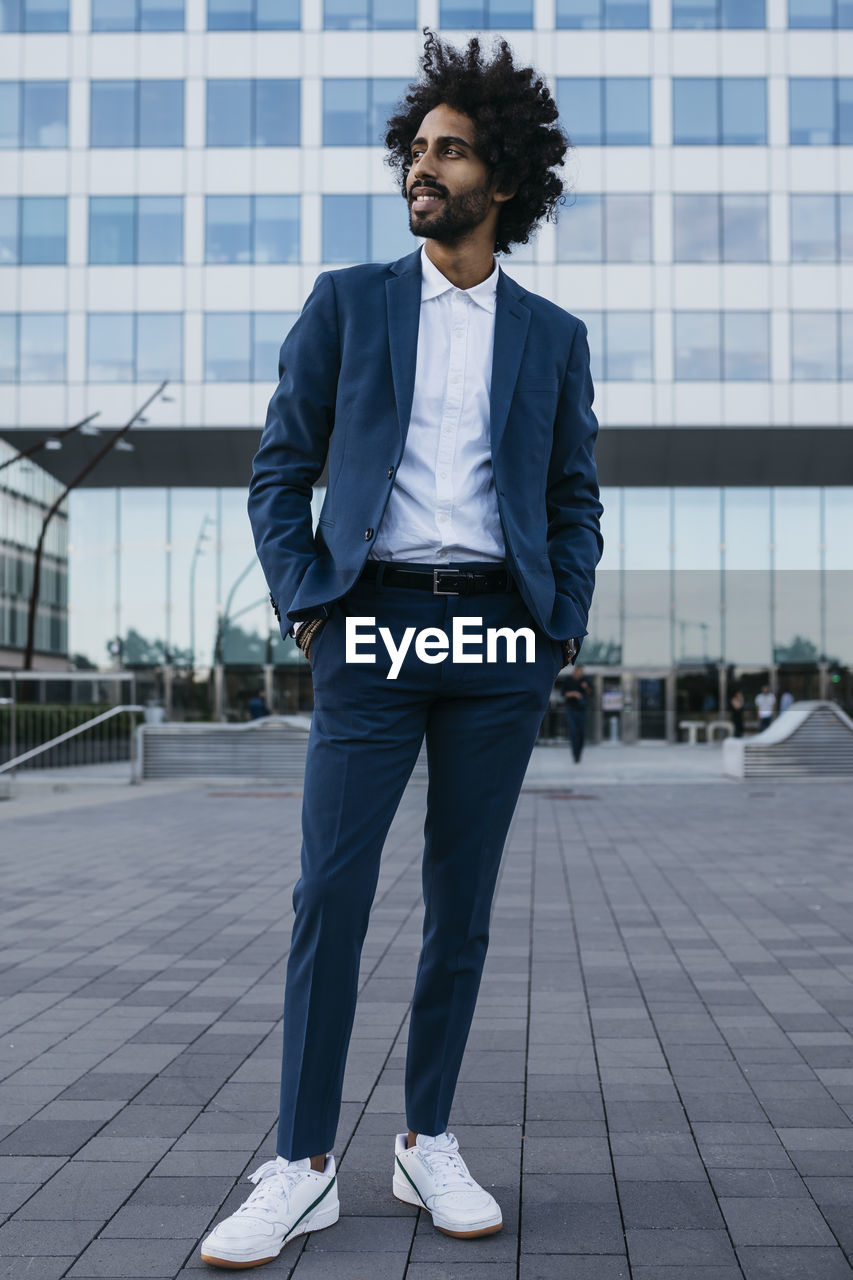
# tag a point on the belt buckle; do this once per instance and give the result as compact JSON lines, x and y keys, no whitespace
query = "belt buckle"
{"x":438,"y":573}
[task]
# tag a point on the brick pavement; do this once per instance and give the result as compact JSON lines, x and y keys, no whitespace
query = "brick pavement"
{"x":659,"y":1083}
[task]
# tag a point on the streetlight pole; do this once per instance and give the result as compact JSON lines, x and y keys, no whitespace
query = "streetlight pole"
{"x":202,"y":537}
{"x":114,"y":439}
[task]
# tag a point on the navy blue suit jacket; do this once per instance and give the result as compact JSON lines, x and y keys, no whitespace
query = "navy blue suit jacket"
{"x":347,"y":378}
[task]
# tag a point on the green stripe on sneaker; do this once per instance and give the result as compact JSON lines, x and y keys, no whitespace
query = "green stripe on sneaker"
{"x":408,"y":1179}
{"x":311,"y":1207}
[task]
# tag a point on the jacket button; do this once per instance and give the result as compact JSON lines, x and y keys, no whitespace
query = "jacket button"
{"x":390,"y":472}
{"x":368,"y":534}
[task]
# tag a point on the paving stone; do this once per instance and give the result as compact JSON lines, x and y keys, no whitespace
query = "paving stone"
{"x":122,"y":1259}
{"x":794,"y":1264}
{"x":26,"y":1238}
{"x":84,"y":1190}
{"x":775,"y":1221}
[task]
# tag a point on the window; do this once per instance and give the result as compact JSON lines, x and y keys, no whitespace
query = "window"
{"x":374,"y":15}
{"x":253,"y":113}
{"x":606,"y":112}
{"x":136,"y":229}
{"x":129,"y":347}
{"x":483,"y":14}
{"x":820,"y":13}
{"x":611,"y":228}
{"x":355,"y":111}
{"x":620,"y":345}
{"x":33,"y":15}
{"x":243,"y":346}
{"x":253,"y":15}
{"x":731,"y":111}
{"x":814,"y":228}
{"x":595,"y":14}
{"x":628,"y":346}
{"x":32,"y":230}
{"x":720,"y":228}
{"x":32,"y":347}
{"x":730,"y":345}
{"x":746,"y":346}
{"x":821,"y":112}
{"x":362,"y":228}
{"x":814,"y":345}
{"x":33,"y":113}
{"x":137,"y":113}
{"x":252,"y":229}
{"x":137,"y":15}
{"x":718,"y":13}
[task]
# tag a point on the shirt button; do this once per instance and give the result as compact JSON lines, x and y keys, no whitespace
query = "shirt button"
{"x":368,"y":534}
{"x":390,"y":472}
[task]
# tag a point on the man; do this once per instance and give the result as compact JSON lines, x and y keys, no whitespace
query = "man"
{"x":455,"y":409}
{"x":577,"y":691}
{"x":765,"y":705}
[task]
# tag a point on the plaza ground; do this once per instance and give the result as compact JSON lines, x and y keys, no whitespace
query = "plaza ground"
{"x":658,"y":1085}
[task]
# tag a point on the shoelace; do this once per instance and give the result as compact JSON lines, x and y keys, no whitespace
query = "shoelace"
{"x":273,"y":1185}
{"x":446,"y":1165}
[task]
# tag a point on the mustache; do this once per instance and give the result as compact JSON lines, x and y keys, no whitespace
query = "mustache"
{"x":426,"y":186}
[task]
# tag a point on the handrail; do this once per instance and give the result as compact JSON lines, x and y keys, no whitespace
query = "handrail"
{"x":70,"y":733}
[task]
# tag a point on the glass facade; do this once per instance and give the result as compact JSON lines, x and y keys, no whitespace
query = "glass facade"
{"x":821,"y":111}
{"x":253,"y":113}
{"x":26,"y":494}
{"x":253,"y":15}
{"x":726,"y":111}
{"x":374,"y":15}
{"x":613,"y":111}
{"x":33,"y":113}
{"x":137,"y":15}
{"x":608,"y":14}
{"x":698,"y":14}
{"x":136,"y":113}
{"x":33,"y":15}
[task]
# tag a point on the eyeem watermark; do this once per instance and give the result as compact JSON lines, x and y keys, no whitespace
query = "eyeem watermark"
{"x":433,"y":645}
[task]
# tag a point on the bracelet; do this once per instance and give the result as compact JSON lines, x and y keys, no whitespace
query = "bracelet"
{"x":306,"y":634}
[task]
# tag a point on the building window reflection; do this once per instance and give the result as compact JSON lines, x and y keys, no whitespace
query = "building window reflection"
{"x":724,"y":111}
{"x":253,"y":15}
{"x":362,"y":15}
{"x":713,"y":227}
{"x":252,"y":229}
{"x":707,"y":14}
{"x":136,"y":113}
{"x":136,"y":229}
{"x":606,"y":111}
{"x":730,"y":346}
{"x":135,"y":347}
{"x":33,"y":113}
{"x":820,"y":346}
{"x":244,"y":346}
{"x":821,"y":111}
{"x":32,"y":347}
{"x":32,"y":230}
{"x":365,"y":228}
{"x":822,"y":228}
{"x":486,"y":14}
{"x":597,"y":14}
{"x":253,"y":113}
{"x":606,"y":228}
{"x":355,"y":111}
{"x":820,"y":13}
{"x":137,"y":15}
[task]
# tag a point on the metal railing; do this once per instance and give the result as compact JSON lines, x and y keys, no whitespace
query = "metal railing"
{"x":66,"y":709}
{"x":10,"y":765}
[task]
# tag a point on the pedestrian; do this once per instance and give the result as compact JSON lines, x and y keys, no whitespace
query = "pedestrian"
{"x":258,"y":705}
{"x":577,"y":692}
{"x":736,"y":706}
{"x":765,"y":703}
{"x":462,"y":490}
{"x":785,"y":701}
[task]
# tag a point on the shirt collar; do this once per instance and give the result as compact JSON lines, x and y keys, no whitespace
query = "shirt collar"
{"x":434,"y":283}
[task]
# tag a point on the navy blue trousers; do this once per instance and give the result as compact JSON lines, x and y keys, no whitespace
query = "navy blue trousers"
{"x":480,"y":722}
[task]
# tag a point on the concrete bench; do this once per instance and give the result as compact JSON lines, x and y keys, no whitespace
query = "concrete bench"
{"x":723,"y":725}
{"x":692,"y":727}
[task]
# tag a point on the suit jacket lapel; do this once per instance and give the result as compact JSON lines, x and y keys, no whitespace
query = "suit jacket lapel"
{"x":403,"y":293}
{"x":511,"y":322}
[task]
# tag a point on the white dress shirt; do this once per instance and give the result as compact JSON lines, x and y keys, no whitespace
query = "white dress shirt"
{"x":443,"y":506}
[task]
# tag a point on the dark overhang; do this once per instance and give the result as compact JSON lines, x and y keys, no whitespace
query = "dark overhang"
{"x":632,"y":456}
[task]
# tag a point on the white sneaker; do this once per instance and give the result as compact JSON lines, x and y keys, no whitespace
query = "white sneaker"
{"x":290,"y":1199}
{"x":434,"y":1176}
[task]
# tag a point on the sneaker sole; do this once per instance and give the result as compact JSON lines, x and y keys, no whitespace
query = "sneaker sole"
{"x":409,"y":1195}
{"x":326,"y":1219}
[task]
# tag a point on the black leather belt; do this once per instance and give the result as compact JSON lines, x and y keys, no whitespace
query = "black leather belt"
{"x":440,"y":581}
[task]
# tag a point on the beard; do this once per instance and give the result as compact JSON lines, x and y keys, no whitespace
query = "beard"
{"x":453,"y":218}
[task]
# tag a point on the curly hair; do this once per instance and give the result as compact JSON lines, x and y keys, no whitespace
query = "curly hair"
{"x":514,"y":116}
